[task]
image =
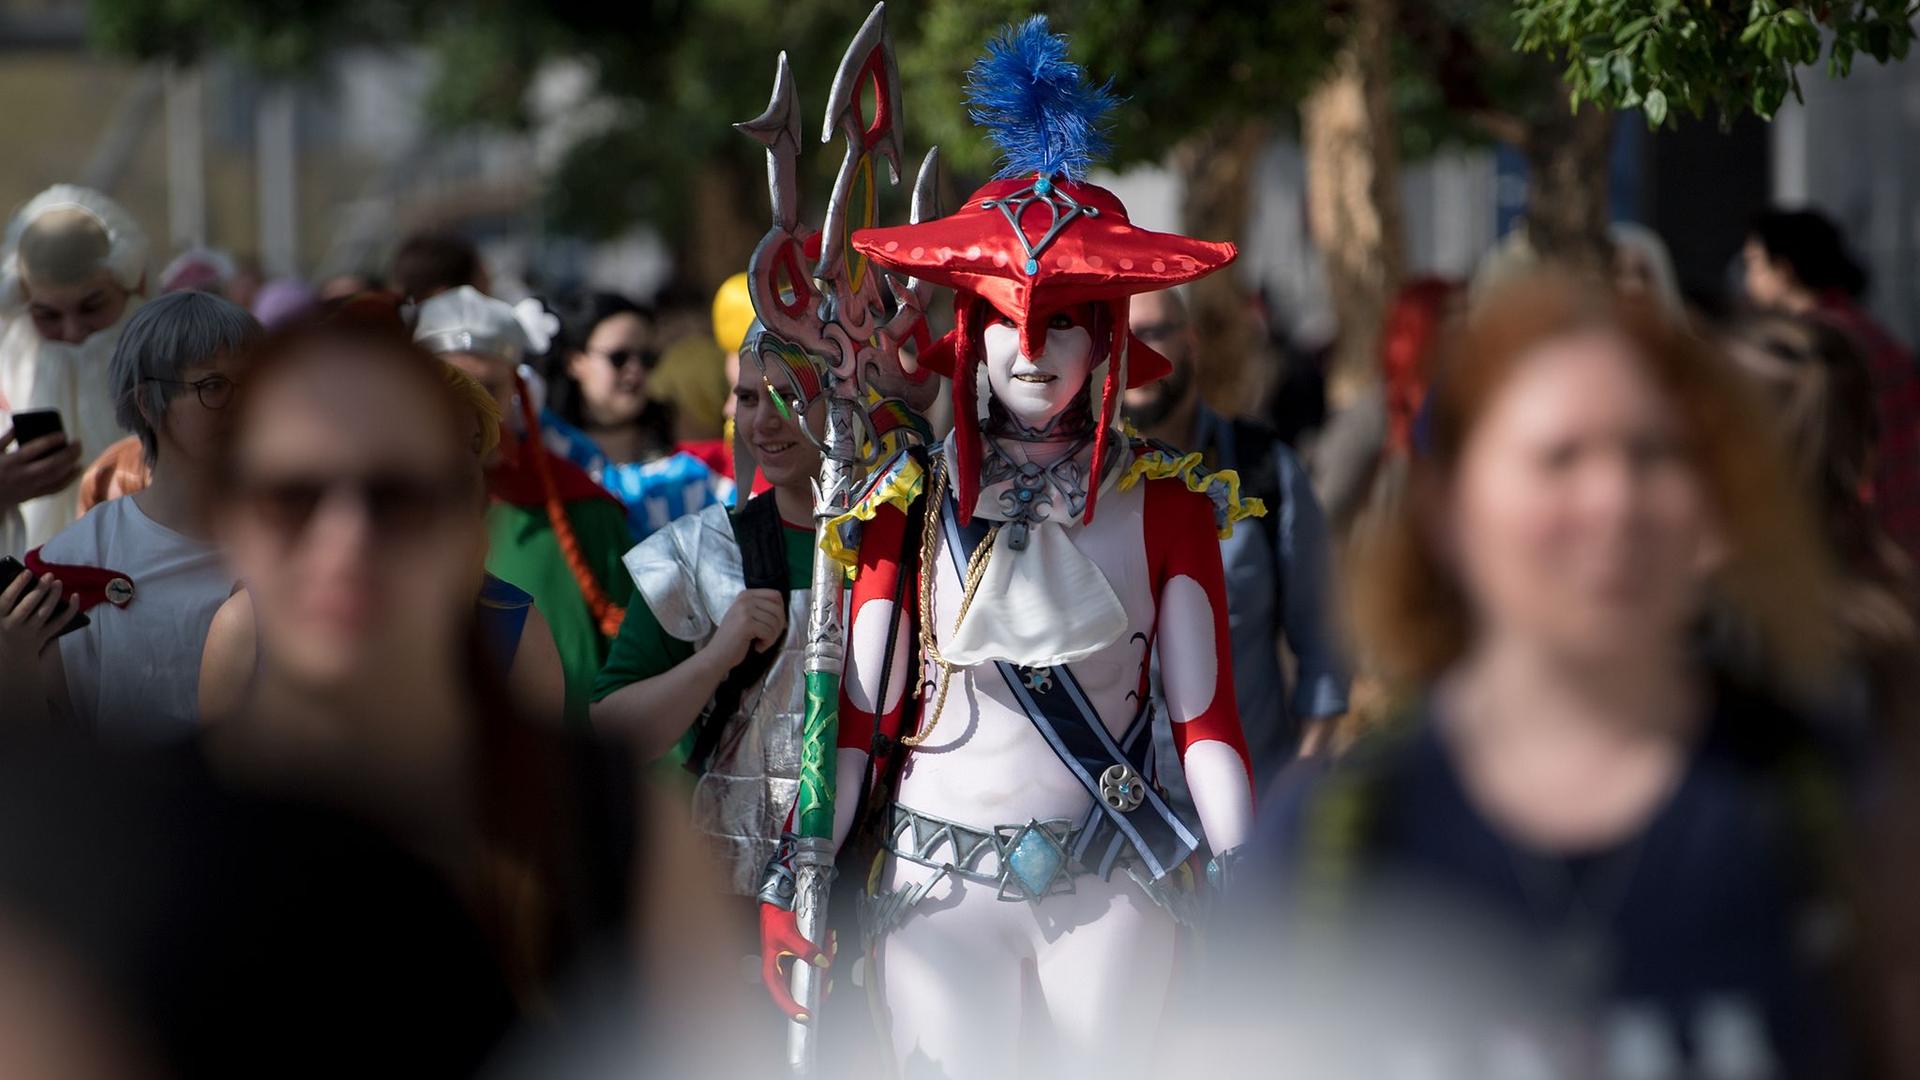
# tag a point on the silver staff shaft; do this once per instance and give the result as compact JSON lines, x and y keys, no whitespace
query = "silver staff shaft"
{"x":826,"y":653}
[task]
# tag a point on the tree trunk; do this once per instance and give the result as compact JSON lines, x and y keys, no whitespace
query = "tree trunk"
{"x":1353,"y":194}
{"x":727,"y":216}
{"x":1567,"y":214}
{"x":1217,"y":168}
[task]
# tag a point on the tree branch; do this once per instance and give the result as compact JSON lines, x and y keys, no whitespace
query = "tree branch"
{"x":1501,"y":126}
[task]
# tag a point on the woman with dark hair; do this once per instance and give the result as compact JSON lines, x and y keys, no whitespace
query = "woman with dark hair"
{"x":600,"y":417}
{"x":1798,"y":263}
{"x":1600,"y":842}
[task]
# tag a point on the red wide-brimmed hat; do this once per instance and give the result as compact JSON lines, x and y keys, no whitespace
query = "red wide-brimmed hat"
{"x":1073,"y":245}
{"x":1039,"y":239}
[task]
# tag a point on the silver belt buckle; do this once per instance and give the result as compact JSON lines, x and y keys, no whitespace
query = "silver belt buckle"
{"x":1122,"y":788}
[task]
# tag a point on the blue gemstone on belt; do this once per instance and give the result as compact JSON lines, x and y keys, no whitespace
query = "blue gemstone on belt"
{"x":1026,"y":495}
{"x":1034,"y":861}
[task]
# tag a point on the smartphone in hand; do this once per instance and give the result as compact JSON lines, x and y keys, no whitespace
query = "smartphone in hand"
{"x":11,"y":568}
{"x":31,"y":424}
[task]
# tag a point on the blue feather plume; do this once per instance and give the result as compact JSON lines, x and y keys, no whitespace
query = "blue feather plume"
{"x":1037,"y":105}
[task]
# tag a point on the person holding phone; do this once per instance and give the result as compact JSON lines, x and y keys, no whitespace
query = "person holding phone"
{"x":33,"y":609}
{"x":72,"y":272}
{"x":145,"y":567}
{"x":31,"y":469}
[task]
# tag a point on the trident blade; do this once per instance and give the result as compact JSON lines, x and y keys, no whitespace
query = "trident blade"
{"x":868,"y":62}
{"x":778,"y":129}
{"x":926,"y":189}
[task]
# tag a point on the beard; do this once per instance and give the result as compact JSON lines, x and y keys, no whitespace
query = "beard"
{"x":1166,"y":397}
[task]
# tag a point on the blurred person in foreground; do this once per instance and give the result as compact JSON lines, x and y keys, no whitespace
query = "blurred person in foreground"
{"x":552,"y":531}
{"x":72,"y":272}
{"x":158,"y":921}
{"x":349,"y":507}
{"x":520,"y":647}
{"x":603,"y":417}
{"x":1279,"y":575}
{"x":1581,"y":848}
{"x":1798,"y":263}
{"x":145,"y":568}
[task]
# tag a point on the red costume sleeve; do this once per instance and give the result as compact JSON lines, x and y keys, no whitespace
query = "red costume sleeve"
{"x":870,"y":616}
{"x":1196,"y":652}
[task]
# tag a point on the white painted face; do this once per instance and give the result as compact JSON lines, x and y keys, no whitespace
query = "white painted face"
{"x":1035,"y":390}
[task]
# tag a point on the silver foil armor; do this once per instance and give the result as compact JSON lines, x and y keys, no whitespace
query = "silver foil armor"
{"x":689,"y":574}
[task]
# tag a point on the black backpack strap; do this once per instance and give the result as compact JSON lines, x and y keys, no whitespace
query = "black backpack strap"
{"x":1259,"y":476}
{"x":763,"y":563}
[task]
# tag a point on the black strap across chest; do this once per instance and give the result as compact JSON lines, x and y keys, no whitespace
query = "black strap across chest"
{"x":763,"y":563}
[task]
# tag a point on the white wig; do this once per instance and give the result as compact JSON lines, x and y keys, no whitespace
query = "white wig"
{"x":126,"y":242}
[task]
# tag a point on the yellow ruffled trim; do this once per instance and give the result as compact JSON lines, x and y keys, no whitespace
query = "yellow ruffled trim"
{"x":1190,"y":470}
{"x":898,"y":486}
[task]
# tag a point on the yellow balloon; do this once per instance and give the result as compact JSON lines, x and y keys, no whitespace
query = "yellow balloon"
{"x":732,"y":313}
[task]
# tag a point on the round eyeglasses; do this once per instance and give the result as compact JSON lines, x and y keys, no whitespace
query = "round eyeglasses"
{"x":214,"y":391}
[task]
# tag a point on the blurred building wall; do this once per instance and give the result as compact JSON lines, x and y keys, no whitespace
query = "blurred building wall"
{"x":1853,"y":150}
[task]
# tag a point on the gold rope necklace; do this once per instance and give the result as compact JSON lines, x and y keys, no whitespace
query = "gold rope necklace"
{"x":976,"y":569}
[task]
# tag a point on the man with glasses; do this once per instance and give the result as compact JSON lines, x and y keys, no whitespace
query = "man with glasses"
{"x":1279,"y":575}
{"x":144,"y":568}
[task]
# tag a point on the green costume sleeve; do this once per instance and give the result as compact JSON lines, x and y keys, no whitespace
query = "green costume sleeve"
{"x":643,"y":649}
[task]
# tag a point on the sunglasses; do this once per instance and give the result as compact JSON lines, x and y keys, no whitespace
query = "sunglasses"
{"x":398,"y":505}
{"x":619,"y":358}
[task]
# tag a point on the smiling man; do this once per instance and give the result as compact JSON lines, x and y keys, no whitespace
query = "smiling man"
{"x":712,"y":654}
{"x":72,"y":273}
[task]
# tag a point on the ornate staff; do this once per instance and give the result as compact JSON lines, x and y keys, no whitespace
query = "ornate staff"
{"x":854,"y":318}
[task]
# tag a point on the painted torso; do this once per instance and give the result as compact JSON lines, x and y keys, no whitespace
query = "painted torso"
{"x":986,"y":763}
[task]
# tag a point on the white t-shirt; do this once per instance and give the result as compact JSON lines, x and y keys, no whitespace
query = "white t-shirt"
{"x":134,"y":673}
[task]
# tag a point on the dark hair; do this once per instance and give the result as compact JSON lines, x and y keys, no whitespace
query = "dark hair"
{"x":429,"y":263}
{"x":580,"y":314}
{"x":1810,"y":243}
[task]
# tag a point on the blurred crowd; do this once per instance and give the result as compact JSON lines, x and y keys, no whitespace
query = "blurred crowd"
{"x":357,"y":722}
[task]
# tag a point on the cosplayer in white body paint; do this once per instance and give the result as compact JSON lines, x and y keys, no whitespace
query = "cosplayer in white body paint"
{"x":1016,"y":824}
{"x":71,"y":273}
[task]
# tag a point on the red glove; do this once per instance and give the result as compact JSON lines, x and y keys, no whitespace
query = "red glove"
{"x":780,"y":938}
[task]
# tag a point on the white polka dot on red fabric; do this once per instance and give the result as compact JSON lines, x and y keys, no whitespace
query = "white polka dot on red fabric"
{"x":973,"y":252}
{"x":893,"y":245}
{"x":916,"y":253}
{"x":999,"y":258}
{"x":1159,"y":266}
{"x":1063,"y":262}
{"x":946,"y":253}
{"x":1096,"y":262}
{"x":1126,"y":264}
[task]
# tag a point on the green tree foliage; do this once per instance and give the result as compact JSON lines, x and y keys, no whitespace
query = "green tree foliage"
{"x":1180,"y":68}
{"x":1724,"y":56}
